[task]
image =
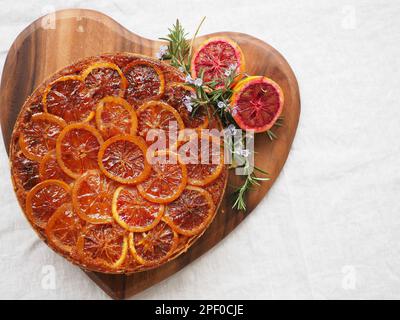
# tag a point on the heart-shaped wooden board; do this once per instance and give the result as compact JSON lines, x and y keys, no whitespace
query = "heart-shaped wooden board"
{"x":59,"y":39}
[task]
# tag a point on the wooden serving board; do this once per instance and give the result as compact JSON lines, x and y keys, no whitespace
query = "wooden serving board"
{"x":59,"y":39}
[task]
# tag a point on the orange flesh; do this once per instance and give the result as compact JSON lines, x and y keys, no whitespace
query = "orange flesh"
{"x":191,"y":212}
{"x":133,"y":212}
{"x":123,"y":159}
{"x":155,"y":245}
{"x":40,"y":136}
{"x":145,"y":81}
{"x":77,"y":149}
{"x":215,"y":57}
{"x":64,"y":228}
{"x":92,"y":197}
{"x":69,"y":99}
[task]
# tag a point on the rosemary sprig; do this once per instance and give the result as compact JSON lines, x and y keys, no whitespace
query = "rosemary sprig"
{"x":178,"y":47}
{"x":279,"y":123}
{"x":252,"y":180}
{"x":179,"y":50}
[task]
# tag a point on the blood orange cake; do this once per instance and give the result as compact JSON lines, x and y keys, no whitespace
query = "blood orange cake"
{"x":83,"y":174}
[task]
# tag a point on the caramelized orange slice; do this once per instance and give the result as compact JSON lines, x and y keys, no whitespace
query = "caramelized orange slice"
{"x":123,"y":159}
{"x":64,"y":228}
{"x":204,"y":158}
{"x":114,"y":116}
{"x":103,"y":245}
{"x":40,"y":136}
{"x":68,"y":98}
{"x":77,"y":148}
{"x":158,"y":115}
{"x":154,"y":246}
{"x":92,"y":197}
{"x":145,"y":81}
{"x":50,"y":169}
{"x":104,"y":79}
{"x":191,"y":212}
{"x":167,"y":179}
{"x":133,"y":212}
{"x":175,"y":95}
{"x":44,"y":199}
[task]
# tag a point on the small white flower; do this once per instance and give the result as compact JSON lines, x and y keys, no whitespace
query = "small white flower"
{"x":245,"y":153}
{"x":181,"y":69}
{"x":232,"y":129}
{"x":221,"y":104}
{"x":188,"y":103}
{"x":198,"y":82}
{"x":234,"y":111}
{"x":232,"y":68}
{"x":164,"y":48}
{"x":189,"y":79}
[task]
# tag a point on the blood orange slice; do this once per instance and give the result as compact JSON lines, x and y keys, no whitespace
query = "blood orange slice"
{"x":77,"y":148}
{"x":50,"y":169}
{"x":133,"y":212}
{"x":154,"y":246}
{"x":145,"y":81}
{"x":44,"y":199}
{"x":64,"y":228}
{"x":215,"y":57}
{"x":158,"y":115}
{"x":191,"y":212}
{"x":115,"y":115}
{"x":40,"y":136}
{"x":104,"y":245}
{"x":123,"y":159}
{"x":92,"y":197}
{"x":175,"y":95}
{"x":204,"y":158}
{"x":68,"y":98}
{"x":104,"y":79}
{"x":167,"y":179}
{"x":257,"y":103}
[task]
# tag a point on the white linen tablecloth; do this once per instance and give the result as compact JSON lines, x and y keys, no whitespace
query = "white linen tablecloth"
{"x":330,"y":226}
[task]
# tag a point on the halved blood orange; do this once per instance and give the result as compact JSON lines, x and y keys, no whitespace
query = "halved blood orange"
{"x":114,"y":115}
{"x":50,"y":169}
{"x":133,"y":212}
{"x":215,"y":57}
{"x":175,"y":95}
{"x":191,"y":212}
{"x":44,"y":199}
{"x":104,"y":79}
{"x":92,"y":195}
{"x":64,"y":228}
{"x":77,"y":149}
{"x":145,"y":81}
{"x":256,"y":103}
{"x":204,"y":158}
{"x":158,"y":115}
{"x":123,"y":159}
{"x":40,"y":136}
{"x":68,"y":98}
{"x":103,"y":245}
{"x":155,"y":245}
{"x":167,"y":179}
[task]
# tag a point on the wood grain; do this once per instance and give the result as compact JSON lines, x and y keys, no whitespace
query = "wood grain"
{"x":64,"y":37}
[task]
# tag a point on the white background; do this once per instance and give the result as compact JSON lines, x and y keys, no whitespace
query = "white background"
{"x":330,"y":226}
